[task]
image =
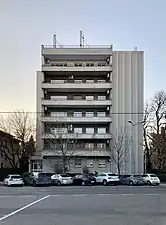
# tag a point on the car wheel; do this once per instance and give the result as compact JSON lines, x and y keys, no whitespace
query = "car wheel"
{"x":131,"y":183}
{"x":149,"y":183}
{"x":83,"y":183}
{"x":59,"y":183}
{"x":104,"y":182}
{"x":34,"y":183}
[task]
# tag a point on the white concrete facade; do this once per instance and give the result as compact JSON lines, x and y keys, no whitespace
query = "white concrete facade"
{"x":123,"y":74}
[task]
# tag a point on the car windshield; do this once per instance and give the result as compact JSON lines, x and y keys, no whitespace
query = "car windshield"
{"x":16,"y":177}
{"x":42,"y":175}
{"x":64,"y":175}
{"x":144,"y":175}
{"x":153,"y":175}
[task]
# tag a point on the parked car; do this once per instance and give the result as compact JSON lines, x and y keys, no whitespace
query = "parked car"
{"x":13,"y":180}
{"x":150,"y":179}
{"x":132,"y":180}
{"x":84,"y":179}
{"x":37,"y":178}
{"x":61,"y":179}
{"x":107,"y":178}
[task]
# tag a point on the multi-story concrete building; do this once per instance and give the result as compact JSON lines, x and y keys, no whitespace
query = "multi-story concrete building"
{"x":93,"y":92}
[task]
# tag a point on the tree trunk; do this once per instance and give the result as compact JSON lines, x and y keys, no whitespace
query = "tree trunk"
{"x":118,"y":169}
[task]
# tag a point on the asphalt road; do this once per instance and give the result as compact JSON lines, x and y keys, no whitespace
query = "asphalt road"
{"x":111,"y":205}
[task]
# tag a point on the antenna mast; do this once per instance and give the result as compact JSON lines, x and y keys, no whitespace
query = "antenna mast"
{"x":80,"y":38}
{"x":54,"y":40}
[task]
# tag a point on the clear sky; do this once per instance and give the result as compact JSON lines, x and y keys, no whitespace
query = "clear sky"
{"x":26,"y":24}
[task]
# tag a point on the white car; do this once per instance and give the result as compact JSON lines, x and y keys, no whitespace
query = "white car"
{"x":107,"y":178}
{"x":13,"y":180}
{"x":61,"y":179}
{"x":150,"y":179}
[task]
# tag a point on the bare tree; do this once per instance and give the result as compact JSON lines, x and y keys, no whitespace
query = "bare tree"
{"x":10,"y":149}
{"x":158,"y":109}
{"x":58,"y":140}
{"x":21,"y":126}
{"x":146,"y":136}
{"x":119,"y":148}
{"x":158,"y":112}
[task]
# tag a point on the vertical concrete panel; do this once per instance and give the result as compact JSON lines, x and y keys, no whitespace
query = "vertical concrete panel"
{"x":128,"y":101}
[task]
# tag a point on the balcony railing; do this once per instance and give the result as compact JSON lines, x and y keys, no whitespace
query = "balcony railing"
{"x":50,"y":64}
{"x":76,"y":46}
{"x":75,"y":82}
{"x":77,"y":152}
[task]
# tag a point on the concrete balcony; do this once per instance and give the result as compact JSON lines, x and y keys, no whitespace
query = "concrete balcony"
{"x":76,"y":119}
{"x":81,"y":153}
{"x":48,"y":68}
{"x":76,"y":103}
{"x":77,"y":87}
{"x":76,"y":136}
{"x":71,"y":51}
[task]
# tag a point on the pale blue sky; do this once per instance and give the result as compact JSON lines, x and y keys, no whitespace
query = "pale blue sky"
{"x":26,"y":24}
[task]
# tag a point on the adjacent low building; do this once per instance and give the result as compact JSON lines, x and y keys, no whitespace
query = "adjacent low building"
{"x":84,"y":96}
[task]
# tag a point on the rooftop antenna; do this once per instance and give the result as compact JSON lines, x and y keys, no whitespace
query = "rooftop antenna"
{"x":54,"y":40}
{"x":135,"y":49}
{"x":81,"y":38}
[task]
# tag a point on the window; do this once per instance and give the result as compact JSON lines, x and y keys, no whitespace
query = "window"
{"x":77,"y":114}
{"x":89,"y":114}
{"x":101,"y":130}
{"x":101,"y":81}
{"x":59,"y":97}
{"x":101,"y":114}
{"x":78,"y":81}
{"x":59,"y":130}
{"x":57,"y":81}
{"x":78,"y":130}
{"x":58,"y":114}
{"x":89,"y":145}
{"x":77,"y":162}
{"x":90,"y":81}
{"x":36,"y":166}
{"x":101,"y":97}
{"x":90,"y":97}
{"x":101,"y":163}
{"x":78,"y":97}
{"x":90,"y":130}
{"x":101,"y":145}
{"x":89,"y":163}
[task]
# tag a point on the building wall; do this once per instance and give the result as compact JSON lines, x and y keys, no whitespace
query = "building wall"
{"x":127,"y":103}
{"x":49,"y":165}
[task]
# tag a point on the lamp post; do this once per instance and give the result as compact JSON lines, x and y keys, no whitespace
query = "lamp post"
{"x":133,"y":125}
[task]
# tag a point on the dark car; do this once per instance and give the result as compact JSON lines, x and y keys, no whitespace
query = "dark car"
{"x":84,"y":179}
{"x":38,"y":178}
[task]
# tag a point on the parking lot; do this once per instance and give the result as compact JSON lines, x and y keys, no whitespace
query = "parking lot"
{"x":84,"y":205}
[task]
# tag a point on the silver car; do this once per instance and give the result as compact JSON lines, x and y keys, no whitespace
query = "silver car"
{"x":132,"y":180}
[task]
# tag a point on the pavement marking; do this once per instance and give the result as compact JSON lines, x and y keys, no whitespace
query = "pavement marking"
{"x":24,"y":207}
{"x":55,"y":195}
{"x":79,"y":195}
{"x":15,"y":196}
{"x":104,"y":194}
{"x":127,"y":194}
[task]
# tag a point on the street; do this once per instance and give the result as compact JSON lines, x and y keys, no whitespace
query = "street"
{"x":110,"y":205}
